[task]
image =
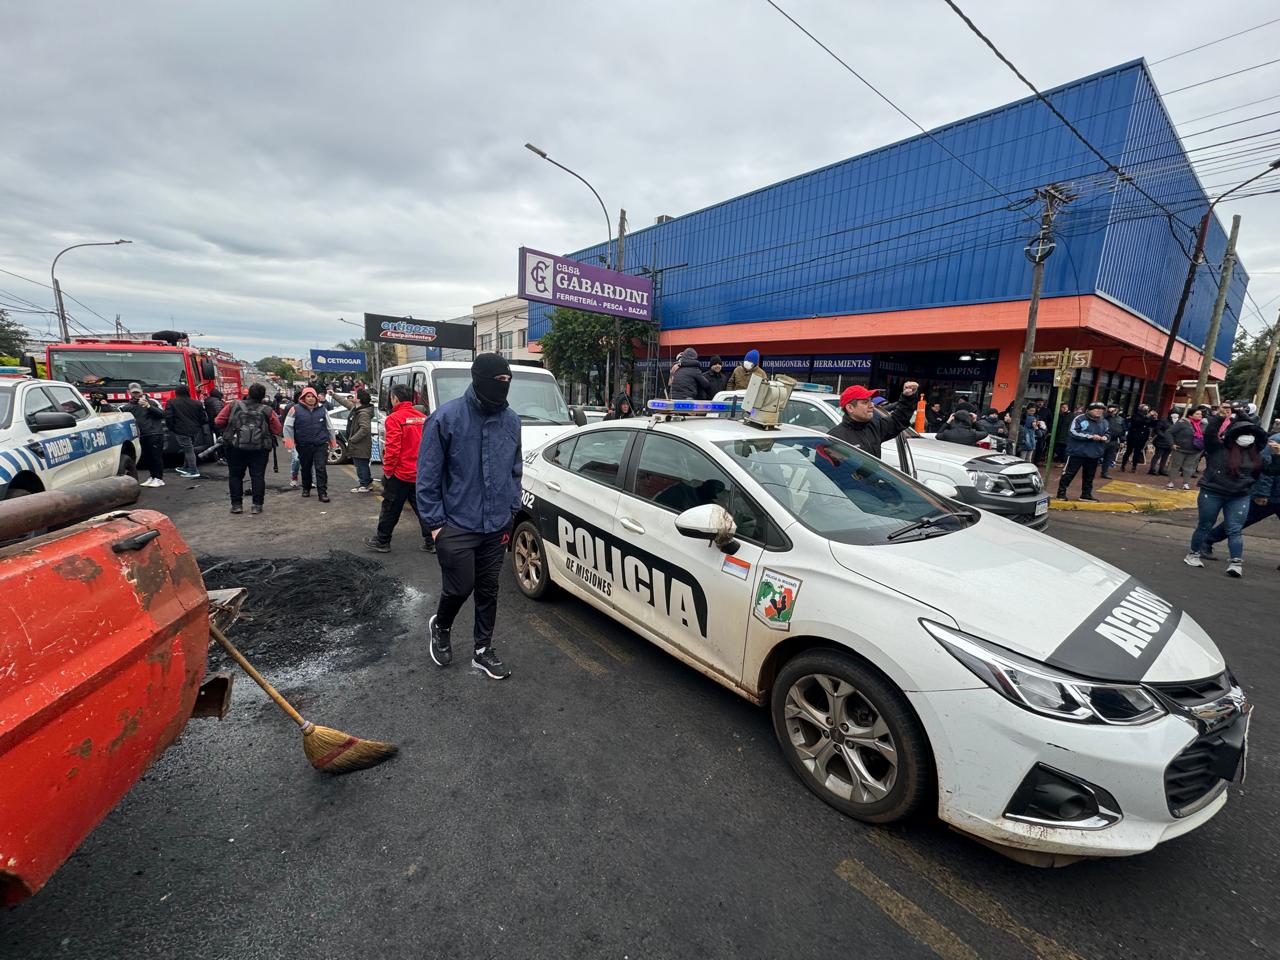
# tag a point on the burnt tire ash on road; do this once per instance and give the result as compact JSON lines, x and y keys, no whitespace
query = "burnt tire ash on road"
{"x":337,"y":607}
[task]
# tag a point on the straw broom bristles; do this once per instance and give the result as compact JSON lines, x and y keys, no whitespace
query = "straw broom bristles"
{"x":327,"y":749}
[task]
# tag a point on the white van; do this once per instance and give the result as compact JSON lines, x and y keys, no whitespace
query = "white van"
{"x":534,"y":395}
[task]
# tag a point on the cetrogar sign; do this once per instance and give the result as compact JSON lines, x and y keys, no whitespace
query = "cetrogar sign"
{"x":562,"y":282}
{"x":337,"y":360}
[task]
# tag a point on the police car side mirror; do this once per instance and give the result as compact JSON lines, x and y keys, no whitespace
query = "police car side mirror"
{"x":579,"y":416}
{"x":942,"y":488}
{"x":710,"y":521}
{"x":51,"y":420}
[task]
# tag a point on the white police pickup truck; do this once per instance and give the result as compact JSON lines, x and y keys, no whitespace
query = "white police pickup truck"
{"x":50,"y":438}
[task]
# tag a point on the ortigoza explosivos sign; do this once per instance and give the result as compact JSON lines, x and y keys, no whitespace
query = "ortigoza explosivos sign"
{"x":562,"y":282}
{"x":418,"y":333}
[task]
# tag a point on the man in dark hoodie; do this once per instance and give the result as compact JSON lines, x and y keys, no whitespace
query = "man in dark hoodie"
{"x":959,"y":429}
{"x":185,"y":418}
{"x":468,"y":489}
{"x":150,"y":419}
{"x":1233,"y":463}
{"x":866,"y":427}
{"x":688,"y":382}
{"x":621,"y":407}
{"x":717,"y":379}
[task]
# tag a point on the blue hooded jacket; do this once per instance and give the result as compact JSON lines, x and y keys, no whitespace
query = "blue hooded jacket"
{"x":469,"y":467}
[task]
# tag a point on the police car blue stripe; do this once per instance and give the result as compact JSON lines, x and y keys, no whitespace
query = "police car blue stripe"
{"x":29,"y":457}
{"x":13,"y":461}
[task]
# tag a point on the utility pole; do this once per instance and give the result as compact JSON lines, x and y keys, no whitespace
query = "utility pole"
{"x":618,"y":261}
{"x":1037,"y":251}
{"x":1269,"y":408}
{"x":1215,"y":324}
{"x":1155,"y":388}
{"x":1268,"y":365}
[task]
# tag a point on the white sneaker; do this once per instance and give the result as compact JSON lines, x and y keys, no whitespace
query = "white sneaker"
{"x":149,"y":482}
{"x":1193,"y":560}
{"x":1186,"y":486}
{"x":1235,"y":568}
{"x":361,"y":489}
{"x":294,"y":482}
{"x":157,"y":482}
{"x":1169,"y":485}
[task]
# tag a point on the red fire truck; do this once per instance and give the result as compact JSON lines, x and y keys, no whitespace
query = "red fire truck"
{"x":97,"y":365}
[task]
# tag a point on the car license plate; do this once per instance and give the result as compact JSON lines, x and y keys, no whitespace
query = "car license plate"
{"x":1042,"y":507}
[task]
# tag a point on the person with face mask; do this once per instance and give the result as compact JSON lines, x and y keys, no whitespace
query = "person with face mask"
{"x":150,"y":419}
{"x":1233,"y":464}
{"x":1264,"y":497}
{"x":742,"y":374}
{"x":468,"y":489}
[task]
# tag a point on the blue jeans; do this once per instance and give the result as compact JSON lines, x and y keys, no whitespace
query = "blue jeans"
{"x":295,"y":465}
{"x":1255,"y":514}
{"x":362,"y":471}
{"x":1233,"y":510}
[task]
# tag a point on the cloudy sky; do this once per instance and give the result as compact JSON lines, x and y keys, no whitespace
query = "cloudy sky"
{"x":280,"y":165}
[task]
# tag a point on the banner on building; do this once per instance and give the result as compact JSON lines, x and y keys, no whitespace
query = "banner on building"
{"x":561,"y":282}
{"x":338,"y":360}
{"x":418,"y":333}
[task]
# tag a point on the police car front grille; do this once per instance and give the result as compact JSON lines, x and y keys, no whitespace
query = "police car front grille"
{"x":1189,"y":777}
{"x":1024,"y":483}
{"x":1195,"y":692}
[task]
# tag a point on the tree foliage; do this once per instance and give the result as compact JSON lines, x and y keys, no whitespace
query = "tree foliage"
{"x":280,"y":368}
{"x":1247,"y":356}
{"x":386,"y":352}
{"x":12,"y":336}
{"x":578,"y":342}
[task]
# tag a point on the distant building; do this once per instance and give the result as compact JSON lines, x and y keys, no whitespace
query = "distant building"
{"x":502,"y":326}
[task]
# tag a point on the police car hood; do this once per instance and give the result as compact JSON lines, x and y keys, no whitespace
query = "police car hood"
{"x":1045,"y":600}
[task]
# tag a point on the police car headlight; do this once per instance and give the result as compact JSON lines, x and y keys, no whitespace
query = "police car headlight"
{"x":990,"y":483}
{"x":1034,"y":686}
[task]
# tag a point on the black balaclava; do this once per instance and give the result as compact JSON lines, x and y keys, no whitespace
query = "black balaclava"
{"x":491,"y":393}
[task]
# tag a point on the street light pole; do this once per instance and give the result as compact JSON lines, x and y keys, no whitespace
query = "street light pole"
{"x":1155,"y":388}
{"x":57,"y":290}
{"x":603,"y":209}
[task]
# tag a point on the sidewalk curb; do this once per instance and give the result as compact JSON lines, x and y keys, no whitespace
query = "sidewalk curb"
{"x":1115,"y":506}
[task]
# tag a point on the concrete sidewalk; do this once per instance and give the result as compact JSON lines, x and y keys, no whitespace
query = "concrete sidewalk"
{"x":1126,"y":492}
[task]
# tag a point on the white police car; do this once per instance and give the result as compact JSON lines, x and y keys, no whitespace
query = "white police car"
{"x":51,"y":438}
{"x":998,"y":482}
{"x":1091,"y":718}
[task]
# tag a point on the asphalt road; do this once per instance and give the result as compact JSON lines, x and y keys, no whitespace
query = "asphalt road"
{"x":607,"y":801}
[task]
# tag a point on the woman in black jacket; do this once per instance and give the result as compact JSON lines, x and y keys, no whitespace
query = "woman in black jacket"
{"x":1233,"y":462}
{"x":688,"y":382}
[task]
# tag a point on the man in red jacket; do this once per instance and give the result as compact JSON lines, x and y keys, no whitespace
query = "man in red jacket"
{"x":402,"y":432}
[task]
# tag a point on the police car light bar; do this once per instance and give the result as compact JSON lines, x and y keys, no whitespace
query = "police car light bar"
{"x":689,"y":406}
{"x":14,"y":372}
{"x":814,"y":387}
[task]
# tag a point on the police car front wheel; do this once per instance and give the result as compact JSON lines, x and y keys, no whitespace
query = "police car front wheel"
{"x":529,"y":561}
{"x":851,"y":737}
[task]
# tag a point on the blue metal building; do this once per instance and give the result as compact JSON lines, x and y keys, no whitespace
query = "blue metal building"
{"x":906,"y":251}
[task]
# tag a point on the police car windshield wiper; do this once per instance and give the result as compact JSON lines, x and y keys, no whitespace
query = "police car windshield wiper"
{"x":925,"y":523}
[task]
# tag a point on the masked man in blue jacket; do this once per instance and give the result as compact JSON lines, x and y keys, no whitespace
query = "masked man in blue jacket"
{"x":468,"y":489}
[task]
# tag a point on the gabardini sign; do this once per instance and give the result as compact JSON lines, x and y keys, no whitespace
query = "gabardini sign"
{"x":419,"y":333}
{"x":562,"y":282}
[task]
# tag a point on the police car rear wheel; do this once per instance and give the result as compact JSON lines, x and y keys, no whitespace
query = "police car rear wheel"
{"x":528,"y":560}
{"x":851,"y":737}
{"x":128,"y":467}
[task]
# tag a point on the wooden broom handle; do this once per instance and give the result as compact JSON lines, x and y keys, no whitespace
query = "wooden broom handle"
{"x":258,"y":678}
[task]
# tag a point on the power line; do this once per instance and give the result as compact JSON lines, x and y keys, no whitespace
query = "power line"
{"x":870,"y":86}
{"x":1230,"y":36}
{"x":1046,"y":101}
{"x":1233,"y":73}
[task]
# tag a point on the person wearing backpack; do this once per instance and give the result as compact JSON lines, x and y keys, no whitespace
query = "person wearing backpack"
{"x":247,"y":427}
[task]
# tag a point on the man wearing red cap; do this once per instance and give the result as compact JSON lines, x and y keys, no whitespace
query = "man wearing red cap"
{"x":866,"y":427}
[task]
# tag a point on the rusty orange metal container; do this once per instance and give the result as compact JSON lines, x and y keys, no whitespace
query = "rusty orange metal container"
{"x":103,"y":642}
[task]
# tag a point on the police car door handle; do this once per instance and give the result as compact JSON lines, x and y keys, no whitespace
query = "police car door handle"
{"x":633,"y":525}
{"x":35,"y":447}
{"x":553,"y":486}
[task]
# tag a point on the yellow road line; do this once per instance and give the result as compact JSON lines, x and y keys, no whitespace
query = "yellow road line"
{"x":570,"y":650}
{"x":972,"y":898}
{"x":905,"y":913}
{"x":600,"y":640}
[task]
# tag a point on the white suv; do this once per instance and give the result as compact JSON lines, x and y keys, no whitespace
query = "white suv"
{"x":50,"y":438}
{"x":1000,"y":483}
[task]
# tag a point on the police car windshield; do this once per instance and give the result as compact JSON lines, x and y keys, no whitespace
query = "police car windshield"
{"x":154,"y":369}
{"x":535,"y":396}
{"x":842,"y":493}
